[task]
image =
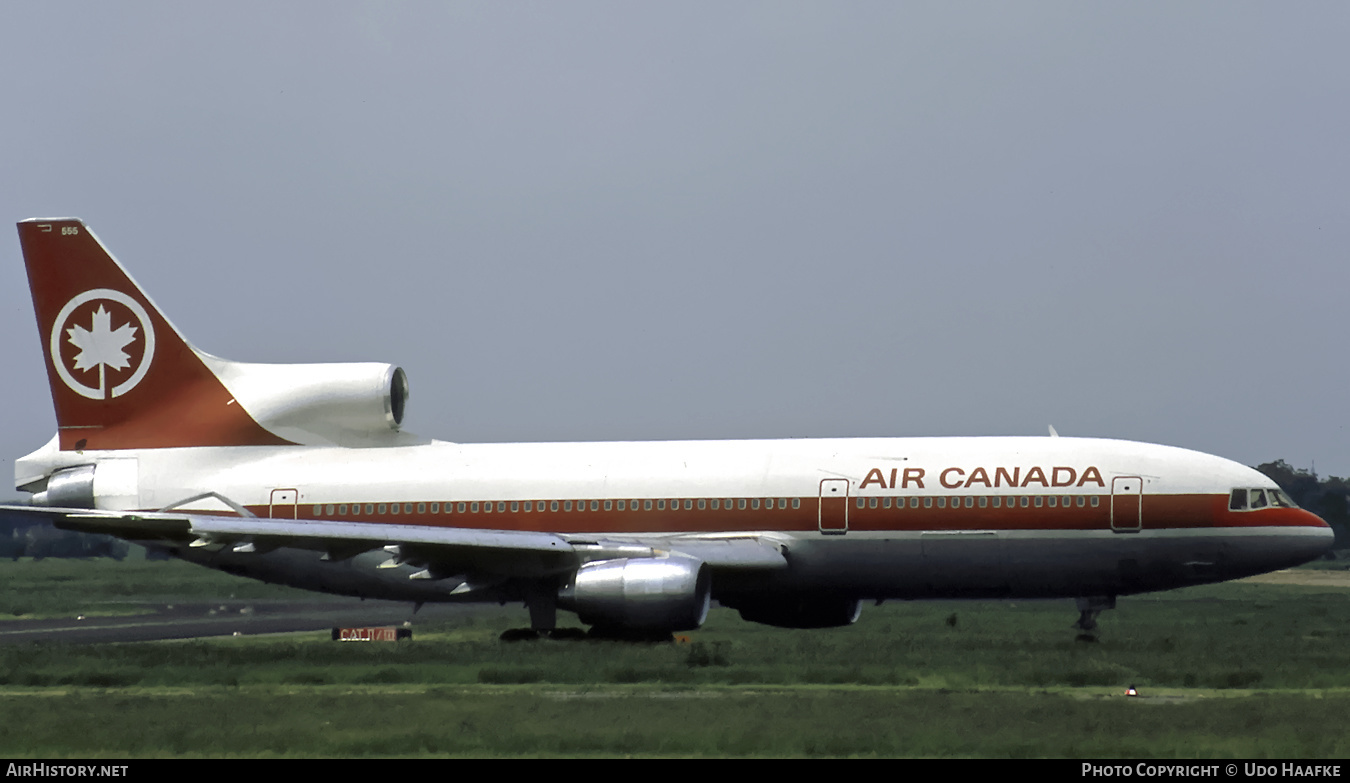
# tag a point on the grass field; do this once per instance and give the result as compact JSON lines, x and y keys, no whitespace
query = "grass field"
{"x":1253,"y":669}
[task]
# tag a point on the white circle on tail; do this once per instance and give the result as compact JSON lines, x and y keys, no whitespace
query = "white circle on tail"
{"x":100,"y":344}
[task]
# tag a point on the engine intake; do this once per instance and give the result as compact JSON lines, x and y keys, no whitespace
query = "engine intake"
{"x":669,"y":593}
{"x":317,"y":404}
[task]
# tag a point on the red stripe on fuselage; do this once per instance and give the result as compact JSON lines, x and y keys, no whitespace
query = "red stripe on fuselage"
{"x":1159,"y":512}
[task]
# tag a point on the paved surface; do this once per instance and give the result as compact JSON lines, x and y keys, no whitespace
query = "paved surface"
{"x":1304,"y":576}
{"x":192,"y":620}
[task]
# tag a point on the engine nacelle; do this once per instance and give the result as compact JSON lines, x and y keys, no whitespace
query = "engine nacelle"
{"x":319,"y":404}
{"x":669,"y":593}
{"x":800,"y":611}
{"x":111,"y":484}
{"x":69,"y":488}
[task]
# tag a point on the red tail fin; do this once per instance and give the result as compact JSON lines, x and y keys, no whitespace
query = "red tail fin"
{"x":121,"y":376}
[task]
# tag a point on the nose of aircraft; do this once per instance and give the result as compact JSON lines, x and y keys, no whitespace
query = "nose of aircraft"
{"x":1286,"y":537}
{"x":1308,"y":538}
{"x":1325,"y":534}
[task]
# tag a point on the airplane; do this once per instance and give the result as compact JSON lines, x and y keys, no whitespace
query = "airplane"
{"x":302,"y":474}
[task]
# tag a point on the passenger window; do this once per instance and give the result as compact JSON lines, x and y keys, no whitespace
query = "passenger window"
{"x":646,"y":505}
{"x":942,"y":502}
{"x":754,"y":504}
{"x":342,"y":510}
{"x":740,"y":504}
{"x":970,"y":502}
{"x":460,"y":507}
{"x":702,"y":504}
{"x":984,"y":502}
{"x":872,"y":502}
{"x":609,"y":505}
{"x":1026,"y":501}
{"x":796,"y":502}
{"x":927,"y":502}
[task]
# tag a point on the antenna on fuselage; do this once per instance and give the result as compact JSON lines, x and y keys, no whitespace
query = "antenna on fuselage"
{"x":1053,"y":434}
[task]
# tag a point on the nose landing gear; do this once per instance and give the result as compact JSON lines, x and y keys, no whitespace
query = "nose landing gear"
{"x":1088,"y":609}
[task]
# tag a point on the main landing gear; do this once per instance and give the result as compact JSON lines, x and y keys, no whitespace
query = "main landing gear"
{"x":1088,"y":609}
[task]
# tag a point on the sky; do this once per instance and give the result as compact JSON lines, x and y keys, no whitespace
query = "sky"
{"x":638,"y":221}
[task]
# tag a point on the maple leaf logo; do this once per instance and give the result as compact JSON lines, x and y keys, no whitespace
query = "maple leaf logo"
{"x":101,"y":346}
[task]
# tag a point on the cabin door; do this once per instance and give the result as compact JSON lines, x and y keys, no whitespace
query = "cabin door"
{"x":285,"y":504}
{"x":833,"y":517}
{"x":1127,"y":510}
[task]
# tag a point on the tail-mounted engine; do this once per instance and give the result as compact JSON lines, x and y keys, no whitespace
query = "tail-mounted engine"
{"x":321,"y":404}
{"x":109,"y":484}
{"x":669,"y":593}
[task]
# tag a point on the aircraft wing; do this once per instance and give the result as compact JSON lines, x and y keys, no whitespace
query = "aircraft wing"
{"x":507,"y":552}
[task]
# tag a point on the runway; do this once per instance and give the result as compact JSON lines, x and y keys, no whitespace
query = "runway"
{"x":225,"y":618}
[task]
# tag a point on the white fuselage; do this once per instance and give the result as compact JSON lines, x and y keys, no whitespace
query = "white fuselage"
{"x":895,"y":517}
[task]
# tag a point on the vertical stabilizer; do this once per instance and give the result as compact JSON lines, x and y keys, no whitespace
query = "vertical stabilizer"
{"x":121,"y":376}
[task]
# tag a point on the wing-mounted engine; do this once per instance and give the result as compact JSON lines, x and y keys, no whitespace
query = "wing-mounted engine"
{"x":669,"y":593}
{"x":357,"y":404}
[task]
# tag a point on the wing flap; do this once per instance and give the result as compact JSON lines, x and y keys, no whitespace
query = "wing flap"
{"x":740,"y":552}
{"x":304,"y":534}
{"x":497,"y":551}
{"x":136,"y":527}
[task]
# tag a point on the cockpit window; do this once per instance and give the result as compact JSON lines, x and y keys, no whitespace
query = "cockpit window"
{"x":1252,"y":499}
{"x":1277,"y":497}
